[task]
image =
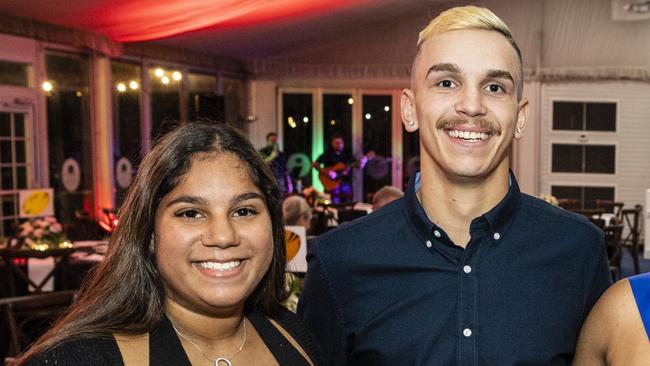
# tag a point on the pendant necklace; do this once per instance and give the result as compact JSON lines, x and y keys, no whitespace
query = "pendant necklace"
{"x":220,"y":361}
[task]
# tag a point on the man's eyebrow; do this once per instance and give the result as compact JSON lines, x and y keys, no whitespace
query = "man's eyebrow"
{"x":500,"y":74}
{"x":444,"y":67}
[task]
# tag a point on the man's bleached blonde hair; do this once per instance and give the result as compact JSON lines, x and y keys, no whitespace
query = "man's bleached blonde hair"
{"x":471,"y":17}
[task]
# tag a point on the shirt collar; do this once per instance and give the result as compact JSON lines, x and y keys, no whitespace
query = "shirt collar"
{"x":498,"y":218}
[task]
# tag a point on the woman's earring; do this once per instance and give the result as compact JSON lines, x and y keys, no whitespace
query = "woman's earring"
{"x":411,"y":123}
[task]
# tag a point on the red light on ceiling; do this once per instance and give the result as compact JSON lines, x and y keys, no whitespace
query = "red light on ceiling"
{"x":144,"y":20}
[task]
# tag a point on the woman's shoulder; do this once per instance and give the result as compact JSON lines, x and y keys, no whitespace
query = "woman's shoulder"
{"x":97,"y":350}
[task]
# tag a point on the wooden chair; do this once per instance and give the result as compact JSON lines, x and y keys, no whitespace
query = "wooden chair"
{"x":613,"y":207}
{"x":35,"y":311}
{"x":632,"y":219}
{"x":613,"y":242}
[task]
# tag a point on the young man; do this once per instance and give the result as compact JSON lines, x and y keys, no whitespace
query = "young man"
{"x":465,"y":269}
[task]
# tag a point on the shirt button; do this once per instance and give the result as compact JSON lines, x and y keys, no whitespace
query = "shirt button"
{"x":467,"y":332}
{"x":497,"y":236}
{"x":467,"y":269}
{"x":429,"y":244}
{"x":436,"y":233}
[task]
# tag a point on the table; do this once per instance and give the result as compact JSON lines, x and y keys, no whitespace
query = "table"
{"x":60,"y":256}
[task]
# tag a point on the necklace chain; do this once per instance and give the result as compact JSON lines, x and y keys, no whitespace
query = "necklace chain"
{"x":218,"y":360}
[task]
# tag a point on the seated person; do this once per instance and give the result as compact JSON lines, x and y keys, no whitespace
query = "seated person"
{"x":617,"y":331}
{"x":385,"y":195}
{"x":297,"y":212}
{"x":195,"y":269}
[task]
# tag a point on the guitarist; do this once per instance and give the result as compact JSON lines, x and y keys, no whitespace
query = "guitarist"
{"x":335,"y":170}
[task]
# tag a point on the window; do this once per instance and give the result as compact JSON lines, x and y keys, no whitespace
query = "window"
{"x":576,"y":158}
{"x":165,"y":99}
{"x":203,"y":101}
{"x":297,"y":120}
{"x":126,"y":125}
{"x":377,"y":133}
{"x":585,"y":196}
{"x":69,"y":134}
{"x":580,"y":116}
{"x":14,"y":73}
{"x":13,"y":168}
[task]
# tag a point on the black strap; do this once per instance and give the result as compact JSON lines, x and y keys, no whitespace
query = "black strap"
{"x":164,"y":346}
{"x":283,"y":351}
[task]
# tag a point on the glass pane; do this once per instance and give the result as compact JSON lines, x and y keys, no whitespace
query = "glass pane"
{"x":567,"y":116}
{"x":127,"y":138}
{"x":297,"y":122}
{"x":5,"y":124}
{"x":14,"y":73}
{"x":601,"y":116}
{"x":20,"y":151}
{"x":411,"y":155}
{"x":165,"y":100}
{"x":7,"y":178}
{"x":5,"y":152}
{"x":8,"y":205}
{"x":234,"y":101}
{"x":569,"y":197}
{"x":19,"y":124}
{"x":567,"y":158}
{"x":377,"y":132}
{"x":69,"y":134}
{"x":597,"y":193}
{"x":337,"y":118}
{"x":21,"y":177}
{"x":203,"y":101}
{"x":600,"y":159}
{"x":9,"y":227}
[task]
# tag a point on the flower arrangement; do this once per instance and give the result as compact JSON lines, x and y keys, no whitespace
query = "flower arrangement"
{"x":40,"y":234}
{"x":550,"y":199}
{"x":292,"y":285}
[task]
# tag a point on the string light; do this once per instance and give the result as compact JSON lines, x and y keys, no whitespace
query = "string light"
{"x":159,"y":72}
{"x":133,"y":85}
{"x":121,"y":87}
{"x":176,"y":75}
{"x":47,"y":86}
{"x":164,"y":80}
{"x":305,"y":119}
{"x":387,"y":108}
{"x":350,"y":101}
{"x":368,"y":116}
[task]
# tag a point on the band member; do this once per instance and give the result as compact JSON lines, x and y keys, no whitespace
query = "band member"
{"x":277,"y":162}
{"x":335,"y":170}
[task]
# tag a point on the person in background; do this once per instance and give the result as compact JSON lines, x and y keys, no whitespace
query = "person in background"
{"x":465,"y":269}
{"x":195,"y":269}
{"x":335,"y":170}
{"x":277,"y":162}
{"x":617,"y":331}
{"x":385,"y":195}
{"x":297,"y":212}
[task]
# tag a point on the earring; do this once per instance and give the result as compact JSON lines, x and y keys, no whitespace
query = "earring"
{"x":411,"y":123}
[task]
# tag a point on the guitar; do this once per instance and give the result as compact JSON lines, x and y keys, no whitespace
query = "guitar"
{"x":330,"y":176}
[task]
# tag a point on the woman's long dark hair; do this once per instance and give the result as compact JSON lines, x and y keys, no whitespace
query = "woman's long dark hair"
{"x":125,"y":293}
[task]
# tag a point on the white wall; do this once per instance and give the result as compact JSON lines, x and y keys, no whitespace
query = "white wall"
{"x":632,"y":176}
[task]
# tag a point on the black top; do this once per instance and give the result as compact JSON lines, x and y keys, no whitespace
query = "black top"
{"x":391,"y":288}
{"x":165,"y":348}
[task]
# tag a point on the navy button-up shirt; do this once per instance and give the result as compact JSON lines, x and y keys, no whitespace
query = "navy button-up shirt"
{"x":392,"y":289}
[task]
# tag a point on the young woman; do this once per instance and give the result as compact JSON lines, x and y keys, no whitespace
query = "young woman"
{"x":195,"y":269}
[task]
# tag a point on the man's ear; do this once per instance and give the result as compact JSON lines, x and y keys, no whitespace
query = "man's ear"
{"x":522,"y":118}
{"x":409,"y":115}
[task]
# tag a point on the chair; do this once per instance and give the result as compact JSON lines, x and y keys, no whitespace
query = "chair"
{"x":32,"y":314}
{"x":613,"y":207}
{"x":568,"y":203}
{"x":633,"y":222}
{"x":613,"y":234}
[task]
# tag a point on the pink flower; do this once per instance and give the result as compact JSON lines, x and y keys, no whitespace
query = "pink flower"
{"x":41,"y":223}
{"x":27,"y":225}
{"x":29,"y":241}
{"x":56,"y":227}
{"x":51,"y":219}
{"x":38,"y":233}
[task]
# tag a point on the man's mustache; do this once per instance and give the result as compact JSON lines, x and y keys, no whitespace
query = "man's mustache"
{"x":486,"y":125}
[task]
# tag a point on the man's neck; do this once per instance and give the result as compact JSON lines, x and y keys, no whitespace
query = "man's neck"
{"x":452,"y":203}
